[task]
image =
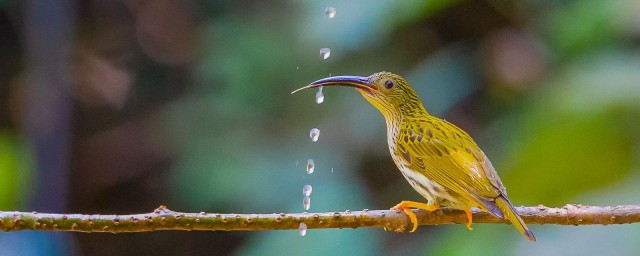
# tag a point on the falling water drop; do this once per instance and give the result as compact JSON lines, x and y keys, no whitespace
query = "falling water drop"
{"x":306,"y":203}
{"x":310,"y":166}
{"x":325,"y":53}
{"x":331,"y":12}
{"x":319,"y":96}
{"x":306,"y":190}
{"x":314,"y":134}
{"x":303,"y":229}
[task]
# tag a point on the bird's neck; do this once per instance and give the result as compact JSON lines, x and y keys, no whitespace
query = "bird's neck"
{"x":403,"y":116}
{"x":412,"y":109}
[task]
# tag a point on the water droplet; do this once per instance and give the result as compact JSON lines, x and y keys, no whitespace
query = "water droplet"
{"x":297,"y":67}
{"x":314,"y":134}
{"x":310,"y":166}
{"x":303,"y":229}
{"x":331,"y":12}
{"x":325,"y":53}
{"x":319,"y":96}
{"x":306,"y":203}
{"x":306,"y":190}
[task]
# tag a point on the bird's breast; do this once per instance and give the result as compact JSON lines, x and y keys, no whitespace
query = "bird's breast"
{"x":429,"y":189}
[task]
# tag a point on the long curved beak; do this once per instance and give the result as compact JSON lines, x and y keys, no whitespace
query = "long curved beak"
{"x":358,"y":82}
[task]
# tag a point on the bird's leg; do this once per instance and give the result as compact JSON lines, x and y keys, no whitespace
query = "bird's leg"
{"x":406,"y":206}
{"x":470,"y":218}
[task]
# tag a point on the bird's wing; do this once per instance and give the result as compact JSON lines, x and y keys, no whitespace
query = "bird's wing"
{"x":447,"y":155}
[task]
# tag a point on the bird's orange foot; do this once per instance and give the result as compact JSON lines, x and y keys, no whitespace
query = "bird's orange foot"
{"x":470,"y":218}
{"x":406,"y":206}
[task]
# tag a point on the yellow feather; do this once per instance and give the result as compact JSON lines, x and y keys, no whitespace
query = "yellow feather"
{"x":510,"y":213}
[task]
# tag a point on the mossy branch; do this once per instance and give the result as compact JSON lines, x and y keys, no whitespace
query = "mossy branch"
{"x":165,"y":219}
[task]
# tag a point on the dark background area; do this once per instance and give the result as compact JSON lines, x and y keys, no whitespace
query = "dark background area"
{"x":121,"y":106}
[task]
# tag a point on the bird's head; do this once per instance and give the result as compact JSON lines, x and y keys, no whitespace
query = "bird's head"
{"x":388,"y":92}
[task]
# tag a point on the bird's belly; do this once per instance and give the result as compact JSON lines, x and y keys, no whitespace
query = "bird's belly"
{"x":430,"y":190}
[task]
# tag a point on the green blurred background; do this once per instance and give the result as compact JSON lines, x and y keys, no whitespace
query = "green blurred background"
{"x":120,"y":106}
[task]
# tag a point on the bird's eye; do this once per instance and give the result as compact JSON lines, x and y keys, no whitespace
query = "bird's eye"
{"x":388,"y":84}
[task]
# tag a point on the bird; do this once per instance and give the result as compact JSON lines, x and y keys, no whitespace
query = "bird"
{"x":440,"y":160}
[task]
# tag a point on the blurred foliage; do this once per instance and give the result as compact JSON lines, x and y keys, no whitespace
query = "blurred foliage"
{"x":187,"y":103}
{"x":583,"y":26}
{"x":580,"y":129}
{"x":15,"y":166}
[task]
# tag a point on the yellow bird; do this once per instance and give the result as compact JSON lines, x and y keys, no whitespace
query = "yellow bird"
{"x":440,"y":161}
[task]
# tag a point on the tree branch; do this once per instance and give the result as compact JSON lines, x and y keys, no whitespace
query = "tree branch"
{"x":165,"y":219}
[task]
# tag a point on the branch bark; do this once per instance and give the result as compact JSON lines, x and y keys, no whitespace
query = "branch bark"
{"x":165,"y":219}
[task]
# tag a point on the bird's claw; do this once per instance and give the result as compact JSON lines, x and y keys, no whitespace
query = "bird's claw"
{"x":412,"y":216}
{"x":470,"y":218}
{"x":406,"y":206}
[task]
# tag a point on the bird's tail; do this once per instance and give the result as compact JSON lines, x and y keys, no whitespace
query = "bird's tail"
{"x":510,"y":213}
